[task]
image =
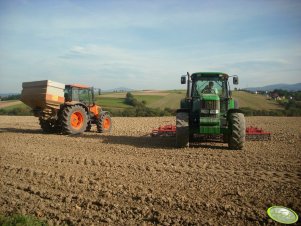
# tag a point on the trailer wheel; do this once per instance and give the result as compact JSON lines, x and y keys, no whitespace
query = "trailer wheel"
{"x":237,"y":129}
{"x":74,"y":119}
{"x":104,"y":123}
{"x":48,"y":126}
{"x":182,"y":132}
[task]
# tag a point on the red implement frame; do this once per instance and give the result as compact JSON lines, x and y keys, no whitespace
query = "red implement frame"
{"x":252,"y":133}
{"x":164,"y":131}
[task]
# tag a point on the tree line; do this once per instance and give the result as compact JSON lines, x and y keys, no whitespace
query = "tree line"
{"x":11,"y":97}
{"x":291,"y":104}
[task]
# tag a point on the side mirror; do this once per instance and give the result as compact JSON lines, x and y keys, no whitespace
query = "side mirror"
{"x":183,"y":79}
{"x":235,"y":80}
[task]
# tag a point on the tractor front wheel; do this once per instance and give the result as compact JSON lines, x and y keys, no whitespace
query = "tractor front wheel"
{"x":182,"y":132}
{"x":237,"y":129}
{"x":104,"y":123}
{"x":89,"y":127}
{"x":74,"y":119}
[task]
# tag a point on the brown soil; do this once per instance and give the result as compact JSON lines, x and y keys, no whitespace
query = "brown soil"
{"x":129,"y":178}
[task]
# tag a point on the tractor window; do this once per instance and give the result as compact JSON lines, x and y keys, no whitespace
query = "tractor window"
{"x":75,"y":96}
{"x":84,"y":95}
{"x":209,"y":86}
{"x":222,"y":88}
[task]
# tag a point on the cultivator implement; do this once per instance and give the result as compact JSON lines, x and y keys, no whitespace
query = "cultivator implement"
{"x":252,"y":133}
{"x":164,"y":131}
{"x":256,"y":134}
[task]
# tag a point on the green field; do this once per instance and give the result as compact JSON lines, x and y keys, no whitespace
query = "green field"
{"x":255,"y":101}
{"x":118,"y":103}
{"x":148,"y":99}
{"x":111,"y":102}
{"x":16,"y":109}
{"x":163,"y":99}
{"x":17,"y":105}
{"x":157,"y":99}
{"x":171,"y":99}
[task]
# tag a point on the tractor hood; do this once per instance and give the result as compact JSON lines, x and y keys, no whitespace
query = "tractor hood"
{"x":209,"y":97}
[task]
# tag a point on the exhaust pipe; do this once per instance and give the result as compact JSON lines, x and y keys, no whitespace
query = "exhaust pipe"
{"x":188,"y":94}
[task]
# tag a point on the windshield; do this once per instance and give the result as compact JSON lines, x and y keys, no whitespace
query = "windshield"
{"x":210,"y":86}
{"x":84,"y":95}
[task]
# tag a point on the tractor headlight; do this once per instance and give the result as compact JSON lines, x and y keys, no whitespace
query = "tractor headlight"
{"x":204,"y":111}
{"x":214,"y":111}
{"x":207,"y":111}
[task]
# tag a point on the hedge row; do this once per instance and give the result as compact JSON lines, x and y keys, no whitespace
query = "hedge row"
{"x":143,"y":111}
{"x":284,"y":112}
{"x":16,"y":111}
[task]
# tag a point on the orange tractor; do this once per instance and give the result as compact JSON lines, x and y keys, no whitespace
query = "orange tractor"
{"x":68,"y":109}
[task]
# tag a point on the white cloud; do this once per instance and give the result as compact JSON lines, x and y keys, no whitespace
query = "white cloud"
{"x":147,"y":44}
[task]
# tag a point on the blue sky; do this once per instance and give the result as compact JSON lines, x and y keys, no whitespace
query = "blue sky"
{"x":148,"y":44}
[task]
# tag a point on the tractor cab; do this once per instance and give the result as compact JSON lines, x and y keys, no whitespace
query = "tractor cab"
{"x":201,"y":83}
{"x":210,"y":84}
{"x":84,"y":95}
{"x":79,"y":93}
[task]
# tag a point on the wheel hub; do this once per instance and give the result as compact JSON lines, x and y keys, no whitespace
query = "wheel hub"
{"x":76,"y":120}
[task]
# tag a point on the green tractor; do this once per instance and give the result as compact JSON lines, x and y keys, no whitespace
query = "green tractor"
{"x":209,"y":112}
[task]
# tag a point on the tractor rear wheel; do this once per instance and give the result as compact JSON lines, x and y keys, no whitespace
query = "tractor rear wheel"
{"x":48,"y":126}
{"x":237,"y":129}
{"x":182,"y":132}
{"x":225,"y":138}
{"x":74,"y":119}
{"x":104,"y":123}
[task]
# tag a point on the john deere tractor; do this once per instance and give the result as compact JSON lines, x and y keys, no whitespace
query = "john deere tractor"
{"x":209,"y":111}
{"x":68,"y":109}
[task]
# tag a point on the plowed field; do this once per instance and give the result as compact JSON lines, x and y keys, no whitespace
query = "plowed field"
{"x":129,"y":178}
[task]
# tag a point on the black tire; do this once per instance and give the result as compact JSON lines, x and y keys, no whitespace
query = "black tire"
{"x":237,"y":130}
{"x":225,"y":138}
{"x":74,"y":119}
{"x":89,"y":126}
{"x":48,"y":126}
{"x":104,"y":123}
{"x":182,"y":132}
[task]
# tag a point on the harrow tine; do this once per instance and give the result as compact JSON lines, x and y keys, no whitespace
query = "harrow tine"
{"x":256,"y":134}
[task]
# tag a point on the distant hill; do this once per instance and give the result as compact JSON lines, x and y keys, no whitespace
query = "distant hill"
{"x":119,"y":89}
{"x":288,"y":87}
